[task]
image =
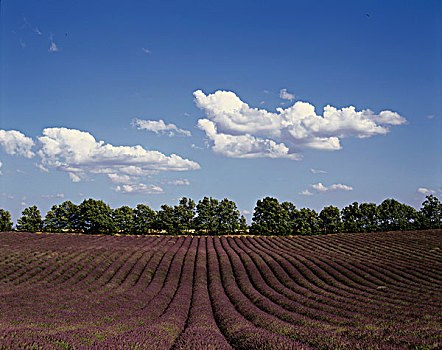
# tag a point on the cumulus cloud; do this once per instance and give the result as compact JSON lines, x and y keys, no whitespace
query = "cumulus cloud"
{"x":78,"y":153}
{"x":139,"y":189}
{"x":317,"y":171}
{"x":159,"y":127}
{"x":286,"y":95}
{"x":306,"y":193}
{"x":244,"y":146}
{"x":425,"y":191}
{"x":232,"y":124}
{"x":15,"y":143}
{"x":53,"y":196}
{"x":319,"y":187}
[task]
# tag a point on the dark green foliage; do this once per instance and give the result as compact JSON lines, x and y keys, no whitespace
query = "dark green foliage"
{"x":395,"y":216}
{"x":206,"y":220}
{"x":5,"y":221}
{"x":431,"y":213}
{"x":144,"y":219}
{"x":63,"y":217}
{"x":330,"y":220}
{"x":369,"y":221}
{"x":95,"y":217}
{"x":352,"y":218}
{"x":185,"y":213}
{"x":123,"y":219}
{"x":269,"y":218}
{"x":228,"y":217}
{"x":215,"y":217}
{"x":166,"y":220}
{"x":307,"y":222}
{"x":30,"y":220}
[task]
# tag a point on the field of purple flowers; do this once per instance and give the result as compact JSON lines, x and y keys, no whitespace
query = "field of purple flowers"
{"x":346,"y":291}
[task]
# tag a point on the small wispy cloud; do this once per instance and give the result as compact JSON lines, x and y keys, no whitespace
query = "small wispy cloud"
{"x":183,"y":182}
{"x":431,"y":116}
{"x":285,"y":95}
{"x":37,"y":31}
{"x":53,"y":46}
{"x":425,"y":191}
{"x":52,"y":196}
{"x":138,"y":189}
{"x":306,"y":193}
{"x":146,"y":50}
{"x":22,"y":44}
{"x":319,"y":187}
{"x":159,"y":127}
{"x":317,"y":171}
{"x":41,"y":167}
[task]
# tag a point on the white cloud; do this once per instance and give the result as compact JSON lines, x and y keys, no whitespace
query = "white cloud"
{"x":41,"y":167}
{"x":1,"y":164}
{"x":74,"y":177}
{"x":246,"y":212}
{"x":233,"y":122}
{"x":244,"y":146}
{"x":15,"y":143}
{"x":53,"y":196}
{"x":159,"y":127}
{"x":425,"y":191}
{"x":306,"y":193}
{"x":431,"y":116}
{"x":317,"y":171}
{"x":286,"y":95}
{"x":53,"y":46}
{"x":146,"y":50}
{"x":22,"y":44}
{"x":78,"y":153}
{"x":36,"y":30}
{"x":319,"y":187}
{"x":122,"y":178}
{"x":139,"y":189}
{"x":183,"y":182}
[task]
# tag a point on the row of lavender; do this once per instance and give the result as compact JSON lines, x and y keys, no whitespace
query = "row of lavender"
{"x":363,"y":291}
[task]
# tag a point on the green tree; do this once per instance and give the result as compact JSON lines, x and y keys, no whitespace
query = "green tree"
{"x":228,"y":217}
{"x":123,"y":219}
{"x":30,"y":220}
{"x":269,"y":218}
{"x":206,"y":219}
{"x":307,"y":222}
{"x":292,"y":216}
{"x":351,"y":218}
{"x":369,"y":221}
{"x":5,"y":221}
{"x":330,"y":220}
{"x":395,"y":216}
{"x":431,"y":213}
{"x":166,"y":220}
{"x":95,"y":217}
{"x":184,"y":213}
{"x":62,"y":218}
{"x":144,"y":219}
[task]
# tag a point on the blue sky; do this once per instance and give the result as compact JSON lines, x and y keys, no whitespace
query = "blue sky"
{"x":148,"y":101}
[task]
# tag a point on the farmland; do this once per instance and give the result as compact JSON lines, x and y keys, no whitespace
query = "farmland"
{"x":346,"y":291}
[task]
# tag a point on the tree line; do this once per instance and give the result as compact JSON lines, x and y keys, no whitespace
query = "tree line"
{"x":214,"y":217}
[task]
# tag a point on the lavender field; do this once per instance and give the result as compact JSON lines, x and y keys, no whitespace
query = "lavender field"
{"x":346,"y":291}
